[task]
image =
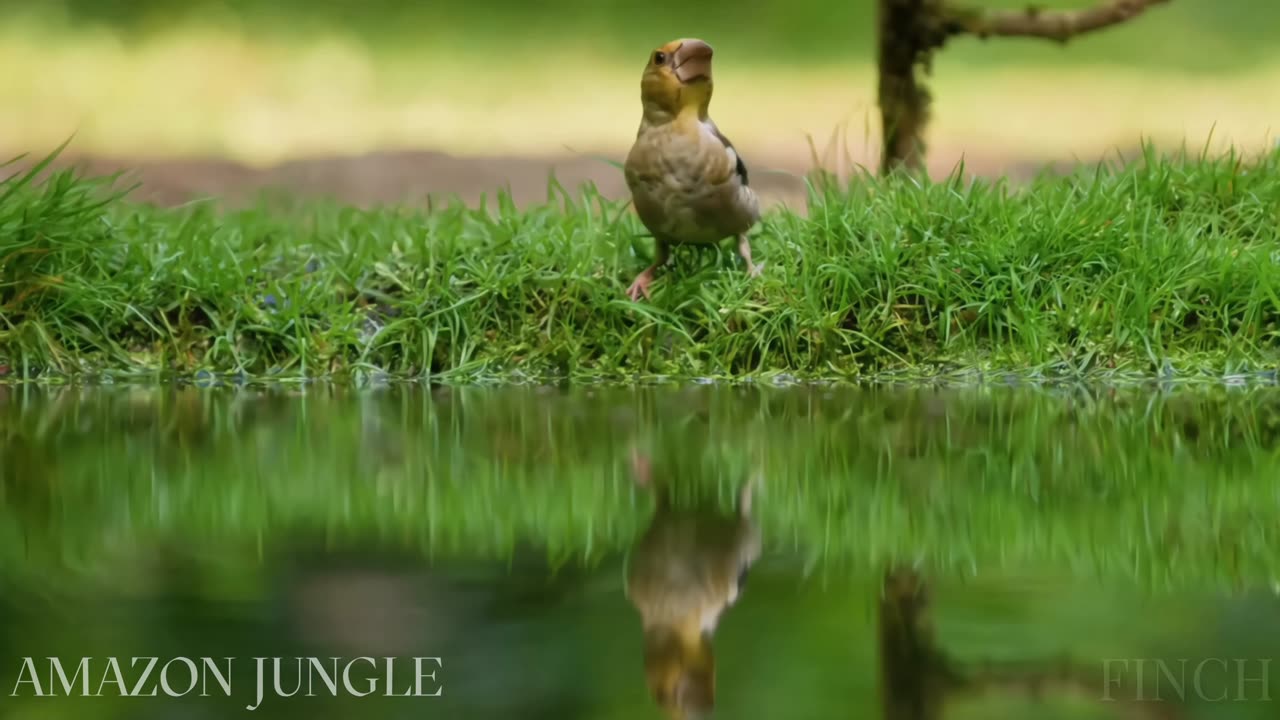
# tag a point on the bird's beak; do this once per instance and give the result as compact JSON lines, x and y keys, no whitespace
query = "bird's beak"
{"x":693,"y":62}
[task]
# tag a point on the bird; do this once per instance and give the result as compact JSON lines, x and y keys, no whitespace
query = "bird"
{"x":687,"y":568}
{"x":688,"y":184}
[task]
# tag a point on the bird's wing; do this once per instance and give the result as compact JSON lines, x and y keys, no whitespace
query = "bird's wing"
{"x":739,"y":166}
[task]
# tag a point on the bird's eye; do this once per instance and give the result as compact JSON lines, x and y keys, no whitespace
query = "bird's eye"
{"x":659,"y":58}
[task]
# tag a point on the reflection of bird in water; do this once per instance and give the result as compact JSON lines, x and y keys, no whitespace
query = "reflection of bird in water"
{"x":687,"y":568}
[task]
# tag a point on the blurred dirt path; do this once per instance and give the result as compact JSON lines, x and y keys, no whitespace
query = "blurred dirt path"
{"x":411,"y":176}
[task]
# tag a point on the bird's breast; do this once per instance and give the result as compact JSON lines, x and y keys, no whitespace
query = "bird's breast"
{"x":685,"y":188}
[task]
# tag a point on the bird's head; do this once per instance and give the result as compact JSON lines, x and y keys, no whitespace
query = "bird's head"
{"x":680,"y":670}
{"x":677,"y":78}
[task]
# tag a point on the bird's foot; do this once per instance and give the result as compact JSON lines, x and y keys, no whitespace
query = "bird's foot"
{"x":641,"y":285}
{"x":754,"y":270}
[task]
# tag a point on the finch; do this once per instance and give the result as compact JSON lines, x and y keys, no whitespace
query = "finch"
{"x":688,"y":184}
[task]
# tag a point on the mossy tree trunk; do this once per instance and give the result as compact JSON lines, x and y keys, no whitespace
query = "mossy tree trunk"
{"x":913,"y":673}
{"x":917,"y":677}
{"x":911,"y":30}
{"x":905,"y":43}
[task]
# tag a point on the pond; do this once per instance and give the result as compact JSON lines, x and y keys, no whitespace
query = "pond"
{"x":596,"y":552}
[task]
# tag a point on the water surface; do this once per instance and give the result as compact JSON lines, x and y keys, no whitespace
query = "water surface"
{"x":905,"y":552}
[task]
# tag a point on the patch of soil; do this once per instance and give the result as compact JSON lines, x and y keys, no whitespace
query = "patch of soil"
{"x":412,"y":176}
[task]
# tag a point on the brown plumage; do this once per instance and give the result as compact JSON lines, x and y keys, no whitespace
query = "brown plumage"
{"x":687,"y":181}
{"x":683,"y":573}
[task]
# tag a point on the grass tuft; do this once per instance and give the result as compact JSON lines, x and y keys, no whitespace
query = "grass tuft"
{"x":1164,"y":265}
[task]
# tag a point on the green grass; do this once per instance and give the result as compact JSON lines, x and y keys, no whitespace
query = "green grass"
{"x":1168,"y":264}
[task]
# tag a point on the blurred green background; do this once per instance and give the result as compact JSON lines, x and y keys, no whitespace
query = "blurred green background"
{"x":1218,"y":36}
{"x":262,"y":83}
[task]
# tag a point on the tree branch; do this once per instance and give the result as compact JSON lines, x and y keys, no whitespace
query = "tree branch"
{"x":1063,"y":677}
{"x":1058,"y":25}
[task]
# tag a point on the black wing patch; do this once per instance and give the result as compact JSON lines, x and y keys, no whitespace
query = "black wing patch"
{"x":741,"y":168}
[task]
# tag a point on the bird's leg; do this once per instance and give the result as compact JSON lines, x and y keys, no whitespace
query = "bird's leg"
{"x":744,"y":249}
{"x":641,"y":470}
{"x":747,"y":493}
{"x":744,"y":500}
{"x":641,"y":284}
{"x":642,"y":475}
